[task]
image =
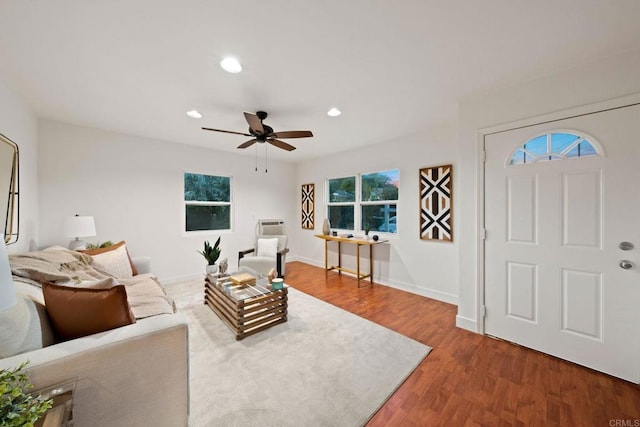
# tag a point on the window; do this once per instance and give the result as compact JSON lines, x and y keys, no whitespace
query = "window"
{"x":365,"y":202}
{"x":341,"y":206}
{"x":378,"y":207}
{"x":553,"y":146}
{"x":207,"y":202}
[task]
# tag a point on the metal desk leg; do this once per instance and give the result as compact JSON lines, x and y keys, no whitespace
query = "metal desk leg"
{"x":339,"y":257}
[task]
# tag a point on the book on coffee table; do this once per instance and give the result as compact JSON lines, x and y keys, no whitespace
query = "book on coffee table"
{"x":243,"y":279}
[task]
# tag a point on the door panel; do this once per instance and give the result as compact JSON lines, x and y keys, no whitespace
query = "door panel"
{"x":522,"y":194}
{"x":582,"y":303}
{"x":552,"y":275}
{"x":581,"y":207}
{"x":522,"y":290}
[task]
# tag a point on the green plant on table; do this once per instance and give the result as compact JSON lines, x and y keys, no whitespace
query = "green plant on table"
{"x":99,"y":245}
{"x":211,"y":253}
{"x":17,"y":406}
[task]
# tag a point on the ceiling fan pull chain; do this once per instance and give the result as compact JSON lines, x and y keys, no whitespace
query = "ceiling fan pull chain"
{"x":266,"y":159}
{"x":256,"y":157}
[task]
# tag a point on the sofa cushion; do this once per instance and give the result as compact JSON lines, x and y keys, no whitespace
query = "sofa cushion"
{"x":77,"y":312}
{"x":24,"y":327}
{"x":113,"y":260}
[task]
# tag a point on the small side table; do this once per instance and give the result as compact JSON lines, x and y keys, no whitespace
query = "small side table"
{"x":61,"y":413}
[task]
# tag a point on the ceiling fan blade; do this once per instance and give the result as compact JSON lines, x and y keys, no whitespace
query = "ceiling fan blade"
{"x":228,"y":131}
{"x":254,"y":122}
{"x":281,"y":144}
{"x":293,"y":134}
{"x":249,"y":143}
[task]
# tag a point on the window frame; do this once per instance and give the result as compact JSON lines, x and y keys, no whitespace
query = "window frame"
{"x":555,"y":155}
{"x":381,"y":203}
{"x":329,"y":203}
{"x":358,"y":203}
{"x":186,"y":203}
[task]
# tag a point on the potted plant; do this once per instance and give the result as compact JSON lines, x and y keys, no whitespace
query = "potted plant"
{"x":99,"y":245}
{"x":17,"y":406}
{"x":211,"y":254}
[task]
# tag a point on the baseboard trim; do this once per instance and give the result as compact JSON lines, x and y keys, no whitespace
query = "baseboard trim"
{"x":425,"y":292}
{"x":408,"y":287}
{"x":466,"y":323}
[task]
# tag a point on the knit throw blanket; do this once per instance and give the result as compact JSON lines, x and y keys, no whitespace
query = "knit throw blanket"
{"x":65,"y":267}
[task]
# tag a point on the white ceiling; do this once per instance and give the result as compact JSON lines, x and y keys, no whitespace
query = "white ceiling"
{"x":393,"y":67}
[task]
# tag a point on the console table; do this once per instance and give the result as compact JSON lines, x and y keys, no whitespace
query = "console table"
{"x":354,"y":241}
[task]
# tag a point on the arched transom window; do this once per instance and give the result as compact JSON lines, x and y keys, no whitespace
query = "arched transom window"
{"x":554,"y":146}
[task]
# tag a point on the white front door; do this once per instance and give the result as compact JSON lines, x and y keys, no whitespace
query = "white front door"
{"x":553,"y":275}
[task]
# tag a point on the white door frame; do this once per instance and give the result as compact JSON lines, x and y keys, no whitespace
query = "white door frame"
{"x":480,"y":157}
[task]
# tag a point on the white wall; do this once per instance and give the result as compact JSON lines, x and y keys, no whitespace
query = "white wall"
{"x":18,"y":123}
{"x":586,"y":84}
{"x":134,"y":186}
{"x":424,"y":267}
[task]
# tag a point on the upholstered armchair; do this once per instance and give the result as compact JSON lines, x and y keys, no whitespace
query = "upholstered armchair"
{"x":270,"y":249}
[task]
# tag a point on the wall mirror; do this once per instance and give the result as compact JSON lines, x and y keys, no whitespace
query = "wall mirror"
{"x":9,"y":194}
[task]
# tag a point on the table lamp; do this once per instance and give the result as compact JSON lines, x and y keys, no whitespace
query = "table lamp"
{"x":79,"y":226}
{"x":7,"y":290}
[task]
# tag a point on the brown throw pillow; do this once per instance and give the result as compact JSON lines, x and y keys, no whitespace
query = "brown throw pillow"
{"x":134,"y":270}
{"x":77,"y":312}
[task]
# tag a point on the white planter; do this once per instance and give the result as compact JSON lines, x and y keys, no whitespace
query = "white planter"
{"x":212,"y":269}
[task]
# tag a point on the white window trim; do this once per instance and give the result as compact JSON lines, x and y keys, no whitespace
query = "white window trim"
{"x":352,"y":204}
{"x":185,"y":203}
{"x":358,"y":203}
{"x":559,"y":156}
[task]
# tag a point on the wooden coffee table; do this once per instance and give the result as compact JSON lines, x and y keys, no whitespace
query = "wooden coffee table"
{"x":246,"y":309}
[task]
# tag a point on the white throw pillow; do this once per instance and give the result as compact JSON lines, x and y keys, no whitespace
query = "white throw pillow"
{"x":115,"y":263}
{"x":24,"y":327}
{"x":268,"y":247}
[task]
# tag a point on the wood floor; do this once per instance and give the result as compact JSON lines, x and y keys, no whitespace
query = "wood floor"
{"x":469,"y":379}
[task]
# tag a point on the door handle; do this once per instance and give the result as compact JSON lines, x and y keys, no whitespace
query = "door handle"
{"x":625,"y":264}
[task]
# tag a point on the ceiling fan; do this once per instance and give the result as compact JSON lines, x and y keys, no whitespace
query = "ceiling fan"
{"x":263,"y":133}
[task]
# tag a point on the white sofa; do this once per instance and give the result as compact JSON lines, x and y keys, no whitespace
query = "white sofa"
{"x":135,"y":375}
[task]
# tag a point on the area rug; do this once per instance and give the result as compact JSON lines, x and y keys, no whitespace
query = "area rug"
{"x":323,"y":367}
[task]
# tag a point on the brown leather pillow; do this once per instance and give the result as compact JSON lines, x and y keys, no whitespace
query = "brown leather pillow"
{"x":98,"y":251}
{"x":78,"y":312}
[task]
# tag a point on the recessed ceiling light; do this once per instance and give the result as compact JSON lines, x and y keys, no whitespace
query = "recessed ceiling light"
{"x":194,"y":114}
{"x":334,"y":112}
{"x":231,"y":65}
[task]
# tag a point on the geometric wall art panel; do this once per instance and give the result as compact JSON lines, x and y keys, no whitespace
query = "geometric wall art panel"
{"x":308,"y":206}
{"x":436,"y":218}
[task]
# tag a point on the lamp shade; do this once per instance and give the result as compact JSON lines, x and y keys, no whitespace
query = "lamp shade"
{"x":7,"y":290}
{"x":79,"y":226}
